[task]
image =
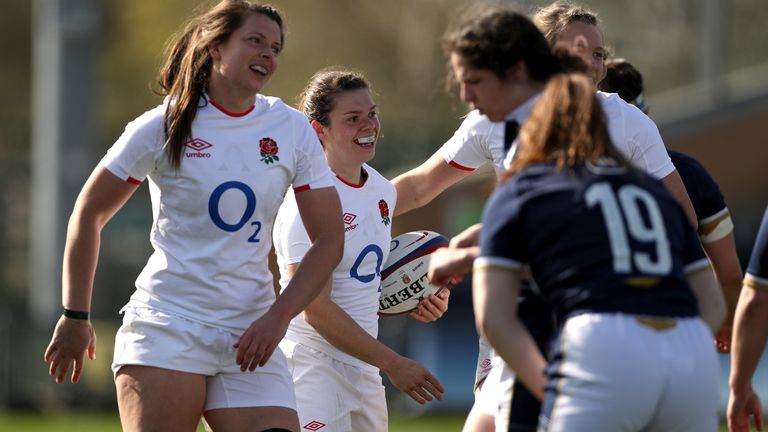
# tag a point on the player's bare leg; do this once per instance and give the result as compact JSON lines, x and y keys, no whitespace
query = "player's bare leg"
{"x":249,"y":419}
{"x":151,"y":398}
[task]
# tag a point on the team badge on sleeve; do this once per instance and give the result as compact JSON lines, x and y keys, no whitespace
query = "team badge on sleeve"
{"x":268,"y":148}
{"x":384,"y":210}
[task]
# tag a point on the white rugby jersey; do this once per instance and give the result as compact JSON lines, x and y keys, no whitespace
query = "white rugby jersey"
{"x":368,"y":210}
{"x":212,"y":218}
{"x":478,"y":140}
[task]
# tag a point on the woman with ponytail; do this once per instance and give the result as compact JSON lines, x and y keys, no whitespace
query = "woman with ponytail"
{"x":614,"y":256}
{"x":200,"y":331}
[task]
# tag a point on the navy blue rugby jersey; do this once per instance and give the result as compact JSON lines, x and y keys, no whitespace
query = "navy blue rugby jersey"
{"x":705,"y":195}
{"x":596,"y":239}
{"x":757,"y":270}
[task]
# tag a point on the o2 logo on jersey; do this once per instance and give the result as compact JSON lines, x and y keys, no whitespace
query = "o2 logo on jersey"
{"x":370,"y":249}
{"x":250,"y":209}
{"x":629,"y":199}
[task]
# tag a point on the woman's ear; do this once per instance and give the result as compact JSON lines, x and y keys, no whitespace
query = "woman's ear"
{"x":213,"y":51}
{"x":517,"y":72}
{"x":319,"y":129}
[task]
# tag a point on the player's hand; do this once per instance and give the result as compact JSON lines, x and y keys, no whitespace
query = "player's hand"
{"x":72,"y":340}
{"x":256,"y":345}
{"x":742,"y":406}
{"x":414,"y":380}
{"x":468,"y":237}
{"x":447,"y":265}
{"x":723,"y":339}
{"x":433,"y":307}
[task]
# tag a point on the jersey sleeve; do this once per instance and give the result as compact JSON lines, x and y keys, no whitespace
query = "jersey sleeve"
{"x":708,"y":202}
{"x":501,"y":238}
{"x":312,"y":171}
{"x":290,"y":237}
{"x":135,"y":154}
{"x":649,"y":153}
{"x":467,"y":149}
{"x":757,"y":270}
{"x":694,"y":258}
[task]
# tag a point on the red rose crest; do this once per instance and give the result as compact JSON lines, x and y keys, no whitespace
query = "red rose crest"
{"x":406,"y":279}
{"x":384,"y":210}
{"x":268,"y":148}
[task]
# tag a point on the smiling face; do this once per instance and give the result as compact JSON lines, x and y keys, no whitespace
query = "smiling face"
{"x":483,"y":90}
{"x":243,"y":64}
{"x":353,"y":128}
{"x":587,"y":41}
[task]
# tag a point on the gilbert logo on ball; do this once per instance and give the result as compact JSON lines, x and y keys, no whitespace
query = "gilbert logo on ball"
{"x":404,"y":278}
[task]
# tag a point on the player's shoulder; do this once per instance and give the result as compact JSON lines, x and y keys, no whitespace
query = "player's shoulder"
{"x":276,"y":105}
{"x":616,"y":107}
{"x":377,"y":179}
{"x":152,"y":118}
{"x":687,"y":163}
{"x":476,"y":123}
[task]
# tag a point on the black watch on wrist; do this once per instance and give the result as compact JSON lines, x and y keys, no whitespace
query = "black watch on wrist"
{"x":78,"y":315}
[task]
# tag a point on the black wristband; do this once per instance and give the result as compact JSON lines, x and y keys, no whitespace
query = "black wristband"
{"x":78,"y":315}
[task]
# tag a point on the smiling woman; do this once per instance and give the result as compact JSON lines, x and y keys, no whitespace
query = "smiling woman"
{"x":332,"y":347}
{"x":209,"y":153}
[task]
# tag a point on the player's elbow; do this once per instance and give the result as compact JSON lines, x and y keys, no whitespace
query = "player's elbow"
{"x":315,"y":313}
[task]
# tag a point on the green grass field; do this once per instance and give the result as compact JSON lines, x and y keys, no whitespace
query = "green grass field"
{"x":109,"y":422}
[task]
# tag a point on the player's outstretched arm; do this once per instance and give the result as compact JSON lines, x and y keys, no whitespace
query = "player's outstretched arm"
{"x":341,"y":331}
{"x":102,"y":195}
{"x":750,"y":332}
{"x":419,"y":186}
{"x":450,"y":264}
{"x":725,"y":262}
{"x":320,"y":211}
{"x":494,"y":296}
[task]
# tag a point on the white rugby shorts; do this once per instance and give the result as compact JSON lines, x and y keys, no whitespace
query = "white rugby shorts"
{"x":152,"y":338}
{"x":333,"y":396}
{"x":617,"y":372}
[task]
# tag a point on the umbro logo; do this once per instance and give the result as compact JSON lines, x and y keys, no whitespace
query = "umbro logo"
{"x":198,"y":146}
{"x":348,"y":218}
{"x":314,"y":425}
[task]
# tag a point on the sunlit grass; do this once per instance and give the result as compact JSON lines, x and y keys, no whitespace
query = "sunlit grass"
{"x":110,"y":422}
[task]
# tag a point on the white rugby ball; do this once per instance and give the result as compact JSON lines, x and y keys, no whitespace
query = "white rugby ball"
{"x":404,"y":277}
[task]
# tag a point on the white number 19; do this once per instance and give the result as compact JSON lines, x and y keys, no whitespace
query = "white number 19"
{"x":629,"y":199}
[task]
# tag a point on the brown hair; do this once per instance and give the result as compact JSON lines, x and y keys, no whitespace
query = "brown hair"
{"x":567,"y":126}
{"x":623,"y":78}
{"x":318,"y":98}
{"x":495,"y":37}
{"x":553,"y":19}
{"x":186,"y":71}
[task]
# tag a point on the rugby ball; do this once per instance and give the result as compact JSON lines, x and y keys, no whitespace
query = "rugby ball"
{"x":404,"y":277}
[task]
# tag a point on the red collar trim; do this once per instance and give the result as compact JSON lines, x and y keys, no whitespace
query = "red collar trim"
{"x":229,"y":113}
{"x":363,"y":177}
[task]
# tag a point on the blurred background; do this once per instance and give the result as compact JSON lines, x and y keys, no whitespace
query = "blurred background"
{"x":76,"y":71}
